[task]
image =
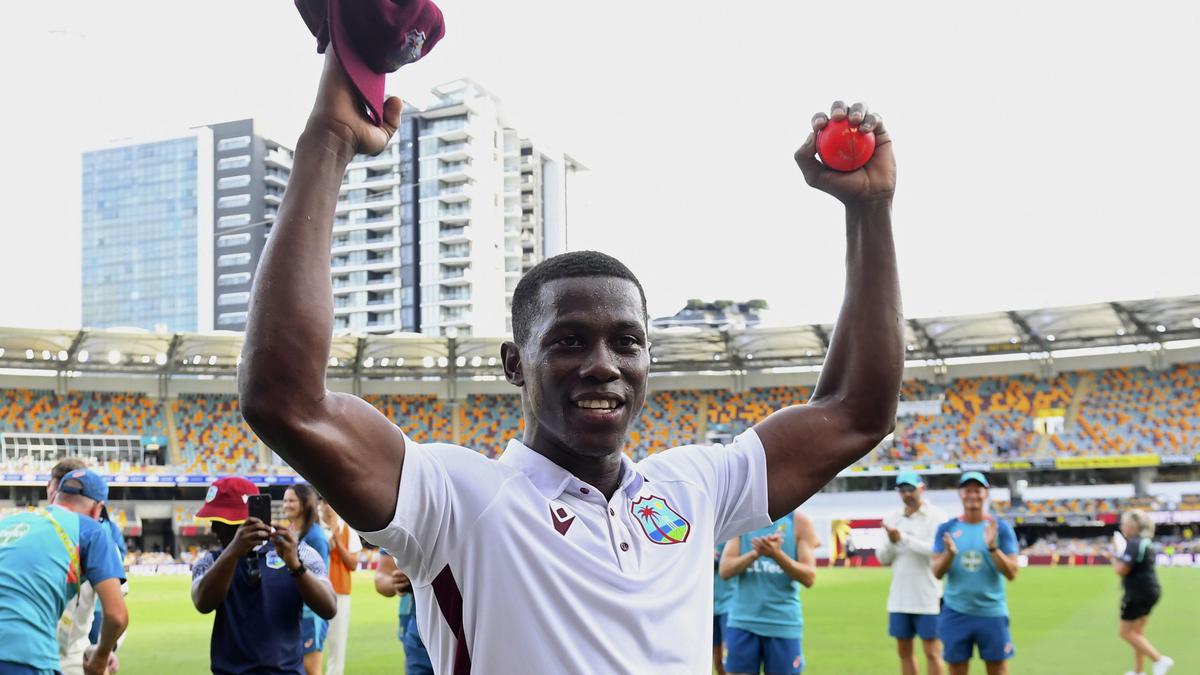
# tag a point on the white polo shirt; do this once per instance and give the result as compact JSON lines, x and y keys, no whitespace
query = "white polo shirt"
{"x":914,"y":588}
{"x":519,"y":567}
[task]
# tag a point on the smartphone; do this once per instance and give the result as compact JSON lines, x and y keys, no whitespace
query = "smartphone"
{"x":260,"y":507}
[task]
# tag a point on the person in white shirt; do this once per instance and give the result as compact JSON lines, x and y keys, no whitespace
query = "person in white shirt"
{"x":564,"y":555}
{"x":914,"y":600}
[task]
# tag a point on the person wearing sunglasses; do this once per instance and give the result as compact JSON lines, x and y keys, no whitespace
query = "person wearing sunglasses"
{"x":258,"y":583}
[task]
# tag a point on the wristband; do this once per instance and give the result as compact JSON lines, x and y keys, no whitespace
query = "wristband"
{"x":993,"y":549}
{"x":299,"y":571}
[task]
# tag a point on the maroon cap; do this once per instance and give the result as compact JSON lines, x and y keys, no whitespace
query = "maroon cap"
{"x":226,"y":500}
{"x":373,"y":38}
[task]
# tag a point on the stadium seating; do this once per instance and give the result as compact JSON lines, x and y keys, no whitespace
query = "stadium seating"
{"x":1109,"y":412}
{"x":1133,"y":411}
{"x":487,"y":421}
{"x":80,"y":412}
{"x":734,"y":412}
{"x":425,"y":418}
{"x":213,"y":438}
{"x":982,"y":418}
{"x":1061,"y":507}
{"x":670,"y":419}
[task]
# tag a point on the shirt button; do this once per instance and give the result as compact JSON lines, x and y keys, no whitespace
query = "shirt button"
{"x":584,"y":490}
{"x":624,"y":546}
{"x":611,"y":512}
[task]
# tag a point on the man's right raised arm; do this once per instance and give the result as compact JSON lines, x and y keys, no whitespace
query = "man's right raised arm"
{"x":350,"y":452}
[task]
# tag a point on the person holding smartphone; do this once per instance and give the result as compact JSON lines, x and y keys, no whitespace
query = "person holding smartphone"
{"x":258,"y":583}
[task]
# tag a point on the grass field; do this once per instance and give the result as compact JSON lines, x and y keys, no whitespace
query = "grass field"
{"x":1064,"y":622}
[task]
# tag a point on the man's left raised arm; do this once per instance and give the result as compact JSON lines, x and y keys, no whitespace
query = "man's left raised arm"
{"x":854,"y":405}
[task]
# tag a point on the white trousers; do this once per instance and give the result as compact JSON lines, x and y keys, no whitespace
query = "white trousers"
{"x":335,"y":642}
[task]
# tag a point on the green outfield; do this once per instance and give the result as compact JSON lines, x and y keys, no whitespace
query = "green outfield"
{"x":1064,"y":621}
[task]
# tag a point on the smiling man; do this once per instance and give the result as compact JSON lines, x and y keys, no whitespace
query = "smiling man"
{"x":563,"y":555}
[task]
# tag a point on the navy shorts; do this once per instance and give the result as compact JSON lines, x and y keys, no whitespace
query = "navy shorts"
{"x":904,"y":626}
{"x":719,"y":629}
{"x":746,"y":652}
{"x":961,"y":633}
{"x":312,"y":633}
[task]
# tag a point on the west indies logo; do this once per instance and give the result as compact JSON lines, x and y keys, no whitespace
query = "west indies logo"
{"x":661,"y":523}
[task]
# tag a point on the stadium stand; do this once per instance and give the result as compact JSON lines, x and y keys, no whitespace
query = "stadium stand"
{"x":425,"y":418}
{"x":1133,"y":410}
{"x":670,"y":419}
{"x":734,"y":412}
{"x":213,"y":438}
{"x":80,"y":412}
{"x":487,"y":421}
{"x":1109,"y":412}
{"x":982,"y":418}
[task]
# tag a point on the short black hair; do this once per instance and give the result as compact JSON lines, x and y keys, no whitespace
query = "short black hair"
{"x":565,"y":266}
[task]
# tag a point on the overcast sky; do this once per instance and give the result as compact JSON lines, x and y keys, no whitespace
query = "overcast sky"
{"x":1047,"y":152}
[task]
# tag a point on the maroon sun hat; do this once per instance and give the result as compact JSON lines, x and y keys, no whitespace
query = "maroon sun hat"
{"x":373,"y":38}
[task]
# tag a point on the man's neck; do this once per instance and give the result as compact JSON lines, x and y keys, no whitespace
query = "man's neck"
{"x":972,"y":516}
{"x":909,"y":510}
{"x":602,"y":473}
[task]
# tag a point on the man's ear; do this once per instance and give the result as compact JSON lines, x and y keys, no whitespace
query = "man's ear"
{"x":510,"y":358}
{"x":97,"y":507}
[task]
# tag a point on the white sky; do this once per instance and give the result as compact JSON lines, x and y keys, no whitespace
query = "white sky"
{"x":1047,"y":151}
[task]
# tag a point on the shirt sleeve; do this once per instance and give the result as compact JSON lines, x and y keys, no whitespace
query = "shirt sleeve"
{"x":310,"y":558}
{"x":203,"y":565}
{"x":938,"y":546}
{"x":1007,"y":537}
{"x":443,"y":490}
{"x":1130,"y":555}
{"x":353,"y":542}
{"x":735,"y":475}
{"x":98,"y":554}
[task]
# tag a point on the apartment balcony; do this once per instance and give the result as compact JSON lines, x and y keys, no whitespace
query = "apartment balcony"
{"x":455,"y":301}
{"x":382,"y":160}
{"x":456,"y":235}
{"x":385,"y":280}
{"x":455,"y":259}
{"x":384,"y":179}
{"x":454,"y":171}
{"x":459,"y":215}
{"x":362,"y":245}
{"x":279,"y":158}
{"x":454,"y":277}
{"x":456,"y":194}
{"x":451,"y":152}
{"x":274,"y":198}
{"x":276,"y":177}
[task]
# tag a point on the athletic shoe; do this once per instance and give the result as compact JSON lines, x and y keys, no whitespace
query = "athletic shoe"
{"x":1162,"y":665}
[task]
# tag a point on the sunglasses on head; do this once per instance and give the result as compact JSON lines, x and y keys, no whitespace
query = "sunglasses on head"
{"x":905,"y":489}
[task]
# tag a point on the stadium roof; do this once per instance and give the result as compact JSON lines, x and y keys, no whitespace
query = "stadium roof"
{"x":681,"y":349}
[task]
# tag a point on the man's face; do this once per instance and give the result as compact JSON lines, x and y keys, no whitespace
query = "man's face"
{"x":584,"y":366}
{"x":911,"y":496}
{"x":973,"y":495}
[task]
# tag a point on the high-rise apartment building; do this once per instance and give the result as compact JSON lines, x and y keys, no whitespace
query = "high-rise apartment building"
{"x":433,"y":234}
{"x":147,"y":234}
{"x":173,"y":228}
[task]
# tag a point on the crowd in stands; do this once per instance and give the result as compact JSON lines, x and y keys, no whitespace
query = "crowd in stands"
{"x":1118,"y":411}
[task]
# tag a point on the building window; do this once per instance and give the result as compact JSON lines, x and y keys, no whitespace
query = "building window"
{"x":226,"y":299}
{"x":233,"y":259}
{"x":231,"y":240}
{"x":233,"y":221}
{"x":234,"y":279}
{"x":230,"y":182}
{"x":236,"y":162}
{"x":231,"y":318}
{"x":235,"y":143}
{"x":233,"y":201}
